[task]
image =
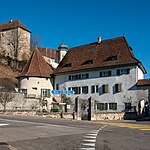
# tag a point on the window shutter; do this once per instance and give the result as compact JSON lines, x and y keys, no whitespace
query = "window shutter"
{"x":128,"y":70}
{"x":100,"y":74}
{"x":69,"y":77}
{"x":48,"y":92}
{"x":119,"y":87}
{"x":109,"y":73}
{"x":118,"y":71}
{"x":106,"y":88}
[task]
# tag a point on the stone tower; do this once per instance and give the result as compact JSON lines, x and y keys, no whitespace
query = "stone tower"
{"x":15,"y":40}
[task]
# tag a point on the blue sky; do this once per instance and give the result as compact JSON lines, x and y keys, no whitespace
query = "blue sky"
{"x":78,"y":22}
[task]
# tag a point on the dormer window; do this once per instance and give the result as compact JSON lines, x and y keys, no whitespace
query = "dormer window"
{"x":112,"y":58}
{"x":67,"y":65}
{"x":88,"y":62}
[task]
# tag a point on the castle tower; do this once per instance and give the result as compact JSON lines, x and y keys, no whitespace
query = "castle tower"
{"x":62,"y":50}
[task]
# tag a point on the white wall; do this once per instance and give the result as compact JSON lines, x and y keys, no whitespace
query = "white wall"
{"x":128,"y":84}
{"x":140,"y":74}
{"x":35,"y":82}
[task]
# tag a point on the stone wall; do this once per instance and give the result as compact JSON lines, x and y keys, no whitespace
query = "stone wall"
{"x":115,"y":116}
{"x":35,"y":113}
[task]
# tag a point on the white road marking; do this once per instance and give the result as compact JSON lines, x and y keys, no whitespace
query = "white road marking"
{"x":90,"y":137}
{"x":3,"y":124}
{"x":87,"y":148}
{"x":89,"y":140}
{"x":88,"y":144}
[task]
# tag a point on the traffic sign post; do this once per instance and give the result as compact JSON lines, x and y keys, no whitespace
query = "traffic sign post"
{"x":68,"y":92}
{"x":56,"y":92}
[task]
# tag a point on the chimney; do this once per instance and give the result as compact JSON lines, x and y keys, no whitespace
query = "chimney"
{"x":10,"y":20}
{"x":99,"y":39}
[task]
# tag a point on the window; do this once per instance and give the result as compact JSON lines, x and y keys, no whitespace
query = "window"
{"x":24,"y":91}
{"x":45,"y":92}
{"x":94,"y":89}
{"x":113,"y":106}
{"x":118,"y":88}
{"x":78,"y":76}
{"x":85,"y":76}
{"x":105,"y":88}
{"x":88,"y":62}
{"x":123,"y":71}
{"x":127,"y":106}
{"x":34,"y":88}
{"x":102,"y":106}
{"x":67,"y":65}
{"x":112,"y":58}
{"x":84,"y":89}
{"x":77,"y":90}
{"x":105,"y":73}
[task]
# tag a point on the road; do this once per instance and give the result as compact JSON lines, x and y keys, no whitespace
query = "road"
{"x":37,"y":133}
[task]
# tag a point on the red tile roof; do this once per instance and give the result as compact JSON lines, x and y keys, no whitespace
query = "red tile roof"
{"x":143,"y":82}
{"x":100,"y":55}
{"x":48,"y":52}
{"x":36,"y":66}
{"x":12,"y":25}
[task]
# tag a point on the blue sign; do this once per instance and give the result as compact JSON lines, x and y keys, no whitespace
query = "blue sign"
{"x":68,"y":92}
{"x":57,"y":92}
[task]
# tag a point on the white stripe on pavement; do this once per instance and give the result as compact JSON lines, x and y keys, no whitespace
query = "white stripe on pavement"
{"x":86,"y":140}
{"x":87,"y":148}
{"x":90,"y":137}
{"x":3,"y":124}
{"x":88,"y":144}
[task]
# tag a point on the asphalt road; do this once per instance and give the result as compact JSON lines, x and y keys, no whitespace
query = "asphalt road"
{"x":37,"y":133}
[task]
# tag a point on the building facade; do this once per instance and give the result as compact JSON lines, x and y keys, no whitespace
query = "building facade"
{"x":106,"y":71}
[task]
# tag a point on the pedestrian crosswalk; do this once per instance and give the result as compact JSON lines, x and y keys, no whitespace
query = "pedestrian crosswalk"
{"x":3,"y":124}
{"x":89,"y":140}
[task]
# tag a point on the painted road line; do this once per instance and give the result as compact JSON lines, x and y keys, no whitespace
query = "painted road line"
{"x":89,"y":140}
{"x":126,"y":125}
{"x":88,"y":144}
{"x":90,"y":137}
{"x":86,"y":140}
{"x":3,"y":124}
{"x":87,"y":148}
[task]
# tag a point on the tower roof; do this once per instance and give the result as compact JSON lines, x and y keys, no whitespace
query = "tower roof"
{"x":63,"y":46}
{"x":12,"y":25}
{"x":36,"y":66}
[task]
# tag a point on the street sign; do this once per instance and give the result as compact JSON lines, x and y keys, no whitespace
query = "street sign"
{"x":56,"y":92}
{"x":68,"y":92}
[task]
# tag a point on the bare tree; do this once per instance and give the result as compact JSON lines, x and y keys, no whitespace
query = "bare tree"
{"x":5,"y":98}
{"x":42,"y":103}
{"x":16,"y":44}
{"x":35,"y":41}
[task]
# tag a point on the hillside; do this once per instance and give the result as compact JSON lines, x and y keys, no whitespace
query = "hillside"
{"x":7,"y":77}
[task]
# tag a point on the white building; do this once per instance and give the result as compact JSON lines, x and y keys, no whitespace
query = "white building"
{"x":35,"y":80}
{"x":107,"y":71}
